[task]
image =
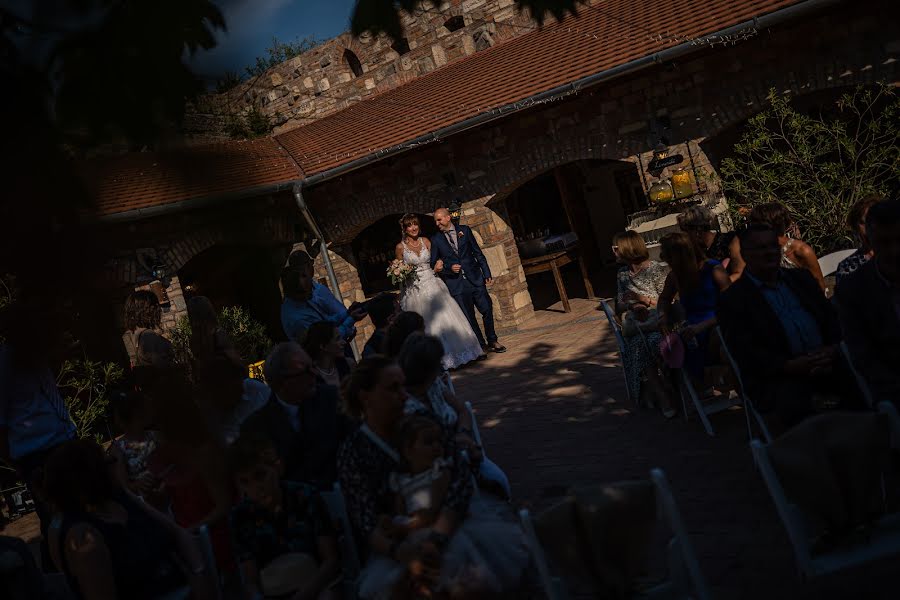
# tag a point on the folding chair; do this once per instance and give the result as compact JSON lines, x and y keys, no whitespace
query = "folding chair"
{"x":620,"y":340}
{"x":883,"y":539}
{"x":749,"y":408}
{"x":337,"y":509}
{"x":704,"y":409}
{"x":893,"y":416}
{"x":860,"y":382}
{"x":552,"y":586}
{"x":685,"y":581}
{"x":475,"y":432}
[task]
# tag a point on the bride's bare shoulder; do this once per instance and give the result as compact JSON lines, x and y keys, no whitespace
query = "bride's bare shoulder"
{"x":427,"y":242}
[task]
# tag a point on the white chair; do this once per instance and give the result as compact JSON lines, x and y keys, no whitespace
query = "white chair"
{"x":201,"y":538}
{"x":703,"y":409}
{"x":685,"y":581}
{"x":860,"y":382}
{"x":830,"y":262}
{"x":883,"y":540}
{"x":749,"y":409}
{"x":553,"y":586}
{"x":351,"y":566}
{"x":475,"y":432}
{"x":893,"y":416}
{"x":620,"y":340}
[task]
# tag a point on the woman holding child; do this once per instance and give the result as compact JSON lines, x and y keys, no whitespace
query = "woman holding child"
{"x":413,"y":542}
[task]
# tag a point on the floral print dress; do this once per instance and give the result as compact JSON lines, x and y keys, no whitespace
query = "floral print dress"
{"x":647,"y":282}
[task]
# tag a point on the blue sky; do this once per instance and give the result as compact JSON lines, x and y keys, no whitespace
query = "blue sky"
{"x":252,"y":23}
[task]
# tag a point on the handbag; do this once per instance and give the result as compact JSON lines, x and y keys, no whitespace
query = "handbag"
{"x":671,"y":349}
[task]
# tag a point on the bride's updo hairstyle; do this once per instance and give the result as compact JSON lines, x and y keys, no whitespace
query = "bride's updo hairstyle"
{"x":407,"y":220}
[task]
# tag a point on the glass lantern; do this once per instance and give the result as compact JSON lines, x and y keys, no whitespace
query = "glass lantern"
{"x":683,"y":183}
{"x":661,"y":192}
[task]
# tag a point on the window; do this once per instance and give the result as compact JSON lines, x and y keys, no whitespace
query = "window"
{"x":455,"y":23}
{"x":400,"y":46}
{"x":353,"y":62}
{"x":482,"y":40}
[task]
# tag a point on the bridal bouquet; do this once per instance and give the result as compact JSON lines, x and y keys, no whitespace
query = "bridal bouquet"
{"x":401,"y":273}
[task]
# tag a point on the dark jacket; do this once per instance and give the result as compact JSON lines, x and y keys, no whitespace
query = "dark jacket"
{"x":474,"y":265}
{"x":754,"y":334}
{"x":309,"y":455}
{"x":871,"y":330}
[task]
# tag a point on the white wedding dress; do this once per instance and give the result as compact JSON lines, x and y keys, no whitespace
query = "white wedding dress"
{"x":444,"y":319}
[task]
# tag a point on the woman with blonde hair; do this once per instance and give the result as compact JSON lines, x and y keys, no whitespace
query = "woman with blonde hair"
{"x":639,"y":282}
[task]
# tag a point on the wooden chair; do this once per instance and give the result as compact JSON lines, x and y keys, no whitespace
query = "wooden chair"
{"x":350,"y":563}
{"x":685,"y":579}
{"x":883,"y":539}
{"x":620,"y":340}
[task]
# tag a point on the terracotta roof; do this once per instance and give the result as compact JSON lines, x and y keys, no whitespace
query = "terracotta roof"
{"x":140,"y":181}
{"x":604,"y":36}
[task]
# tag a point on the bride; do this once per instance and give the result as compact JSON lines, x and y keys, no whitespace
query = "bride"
{"x":428,"y":296}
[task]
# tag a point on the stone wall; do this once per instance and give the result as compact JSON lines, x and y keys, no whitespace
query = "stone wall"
{"x":322,"y":80}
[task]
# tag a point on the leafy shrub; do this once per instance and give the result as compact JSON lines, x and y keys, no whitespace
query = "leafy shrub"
{"x":229,"y":81}
{"x":254,"y":123}
{"x":279,"y":52}
{"x":247,"y":334}
{"x":817,"y":167}
{"x":84,"y":385}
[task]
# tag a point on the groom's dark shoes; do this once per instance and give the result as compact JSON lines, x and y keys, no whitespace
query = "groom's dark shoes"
{"x":496,"y":347}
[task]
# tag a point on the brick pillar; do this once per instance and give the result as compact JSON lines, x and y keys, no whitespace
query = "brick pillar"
{"x":509,"y":292}
{"x":176,"y":306}
{"x":350,"y":286}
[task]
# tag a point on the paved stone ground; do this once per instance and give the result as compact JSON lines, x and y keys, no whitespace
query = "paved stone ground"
{"x":553,"y":413}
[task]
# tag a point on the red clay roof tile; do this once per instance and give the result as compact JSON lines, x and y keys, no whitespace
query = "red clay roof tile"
{"x":603,"y":36}
{"x":144,"y":180}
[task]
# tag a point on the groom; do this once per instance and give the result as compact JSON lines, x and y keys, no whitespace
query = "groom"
{"x":456,"y":257}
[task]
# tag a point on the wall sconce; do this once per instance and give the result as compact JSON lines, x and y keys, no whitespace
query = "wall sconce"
{"x":455,"y":212}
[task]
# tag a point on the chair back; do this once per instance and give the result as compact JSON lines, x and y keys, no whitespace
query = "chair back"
{"x":830,"y":262}
{"x":475,"y":431}
{"x":552,"y":587}
{"x":687,"y":578}
{"x":893,"y":416}
{"x":337,"y":509}
{"x":748,"y":404}
{"x":614,"y":324}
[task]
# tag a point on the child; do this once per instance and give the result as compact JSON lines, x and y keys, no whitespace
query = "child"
{"x":284,"y":538}
{"x":131,"y":413}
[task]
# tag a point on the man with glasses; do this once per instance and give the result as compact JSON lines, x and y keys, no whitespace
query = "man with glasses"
{"x":301,"y":418}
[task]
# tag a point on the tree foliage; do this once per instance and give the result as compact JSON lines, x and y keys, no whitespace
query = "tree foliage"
{"x":246,"y":333}
{"x":279,"y":52}
{"x":253,"y":123}
{"x":85,"y":386}
{"x":818,"y":167}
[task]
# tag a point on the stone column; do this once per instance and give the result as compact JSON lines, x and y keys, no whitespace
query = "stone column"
{"x":512,"y":302}
{"x":350,"y":285}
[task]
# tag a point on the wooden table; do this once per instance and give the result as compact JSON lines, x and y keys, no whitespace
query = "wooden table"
{"x":553,"y":262}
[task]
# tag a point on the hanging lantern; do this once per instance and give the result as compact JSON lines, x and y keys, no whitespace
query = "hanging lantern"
{"x":661,"y":192}
{"x":682,"y":183}
{"x":455,"y":212}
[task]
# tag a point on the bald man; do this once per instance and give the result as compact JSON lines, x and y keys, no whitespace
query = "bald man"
{"x":459,"y":261}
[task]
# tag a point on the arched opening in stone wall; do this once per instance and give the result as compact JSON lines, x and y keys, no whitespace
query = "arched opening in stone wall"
{"x":573,"y":209}
{"x":352,"y":61}
{"x":455,"y":23}
{"x":239,"y":275}
{"x":483,"y":40}
{"x":400,"y":46}
{"x":374,"y":248}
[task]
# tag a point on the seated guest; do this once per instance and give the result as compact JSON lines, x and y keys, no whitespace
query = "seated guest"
{"x":795,"y":253}
{"x":698,"y":282}
{"x":131,"y":450}
{"x":868,"y":301}
{"x":301,"y":418}
{"x":429,"y":391}
{"x":403,"y":326}
{"x":228,"y":396}
{"x":325,"y":347}
{"x":474,"y":546}
{"x":703,"y":226}
{"x":107,"y":542}
{"x":284,"y":538}
{"x":307,"y":301}
{"x":639,"y":282}
{"x":856,"y":222}
{"x":782,"y":332}
{"x":383,"y":309}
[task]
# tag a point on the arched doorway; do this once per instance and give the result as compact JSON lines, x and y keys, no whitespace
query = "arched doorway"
{"x":581,"y":204}
{"x":374,"y":247}
{"x":239,"y":275}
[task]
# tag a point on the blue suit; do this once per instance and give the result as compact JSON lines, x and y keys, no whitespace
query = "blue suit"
{"x":467,"y":287}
